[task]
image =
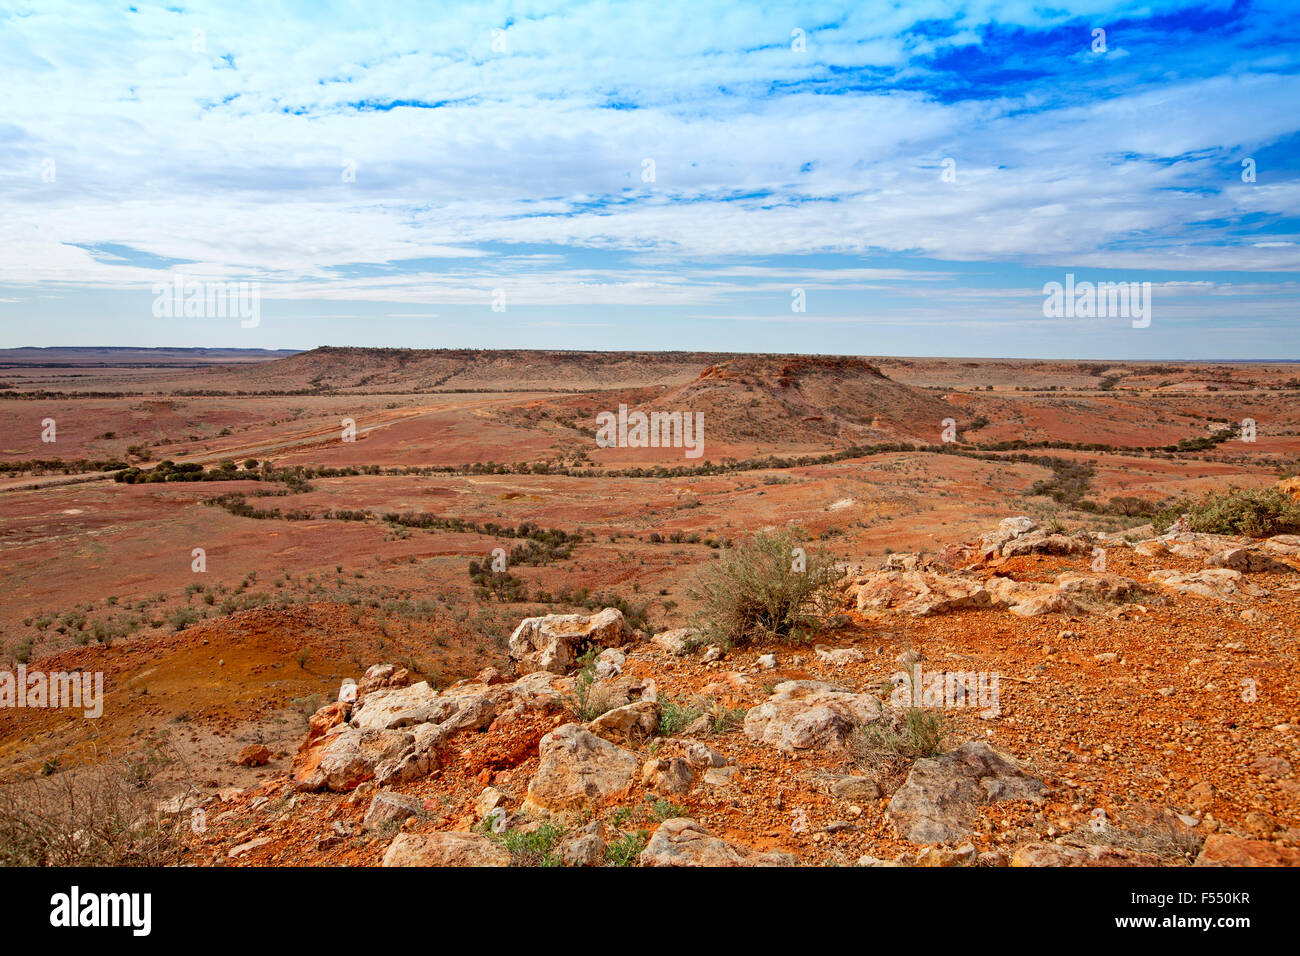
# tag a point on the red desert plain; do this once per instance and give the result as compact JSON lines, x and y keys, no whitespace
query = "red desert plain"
{"x":559,"y":633}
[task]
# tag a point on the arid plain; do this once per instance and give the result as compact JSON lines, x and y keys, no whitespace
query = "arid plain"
{"x":348,"y":491}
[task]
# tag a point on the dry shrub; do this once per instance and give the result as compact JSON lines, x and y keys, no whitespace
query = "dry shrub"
{"x":755,"y":593}
{"x":100,"y":815}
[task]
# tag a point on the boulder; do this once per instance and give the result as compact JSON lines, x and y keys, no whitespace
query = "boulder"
{"x":963,"y":855}
{"x":943,"y":593}
{"x":677,"y":642}
{"x":886,"y":589}
{"x":1249,"y":561}
{"x":579,"y":770}
{"x":445,"y":848}
{"x":555,"y":642}
{"x":1043,"y":542}
{"x":1048,"y":602}
{"x":803,"y":715}
{"x":1196,"y":544}
{"x":389,"y":708}
{"x":1221,"y":584}
{"x":1100,"y":588}
{"x":701,"y":756}
{"x":683,"y":842}
{"x":610,"y":663}
{"x":1008,"y":529}
{"x":254,"y":755}
{"x":1287,"y":545}
{"x":378,"y":676}
{"x":585,"y":847}
{"x":306,"y":762}
{"x":630,"y":723}
{"x":1223,"y":849}
{"x":856,"y":789}
{"x":940,"y":799}
{"x":389,"y":809}
{"x":673,"y":776}
{"x":353,"y":756}
{"x":1056,"y":854}
{"x":1029,"y":598}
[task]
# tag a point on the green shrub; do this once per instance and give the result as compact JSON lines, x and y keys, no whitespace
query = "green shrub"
{"x":625,"y":850}
{"x":755,"y":592}
{"x":1257,"y":513}
{"x":529,"y":847}
{"x":890,"y":745}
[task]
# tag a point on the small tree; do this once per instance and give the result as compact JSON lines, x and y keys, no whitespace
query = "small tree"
{"x":769,"y":588}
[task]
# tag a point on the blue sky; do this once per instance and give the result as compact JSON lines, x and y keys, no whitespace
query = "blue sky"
{"x":382,"y":170}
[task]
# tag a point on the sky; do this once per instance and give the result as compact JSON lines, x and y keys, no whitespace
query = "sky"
{"x":852,"y":178}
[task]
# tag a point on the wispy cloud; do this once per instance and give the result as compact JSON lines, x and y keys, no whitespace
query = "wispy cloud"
{"x":597,"y":155}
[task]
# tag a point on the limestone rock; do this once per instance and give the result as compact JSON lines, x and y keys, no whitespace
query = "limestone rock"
{"x":445,"y":848}
{"x":577,"y":770}
{"x":839,"y":656}
{"x":389,"y":808}
{"x":672,"y":776}
{"x":353,"y":756}
{"x":683,"y":842}
{"x":676,"y":642}
{"x":1223,"y":849}
{"x":586,"y":847}
{"x":1222,"y":584}
{"x":378,"y":676}
{"x":1055,"y":854}
{"x":856,"y":789}
{"x":940,"y":799}
{"x":389,"y":708}
{"x":630,"y":723}
{"x":802,"y":715}
{"x":555,"y":642}
{"x":1249,"y":561}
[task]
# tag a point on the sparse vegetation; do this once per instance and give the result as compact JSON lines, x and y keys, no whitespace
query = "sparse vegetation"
{"x":1257,"y":513}
{"x":768,"y":588}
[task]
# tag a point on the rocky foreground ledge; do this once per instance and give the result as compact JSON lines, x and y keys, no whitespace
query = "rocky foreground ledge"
{"x":1146,"y":715}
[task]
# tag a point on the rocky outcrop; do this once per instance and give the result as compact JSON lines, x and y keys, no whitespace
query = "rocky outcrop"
{"x":578,"y":770}
{"x":397,"y":730}
{"x":803,"y":715}
{"x":1249,"y":561}
{"x":941,"y":797}
{"x":379,"y":676}
{"x":677,"y":642}
{"x":631,"y":723}
{"x":355,"y":756}
{"x":672,"y":776}
{"x":1043,"y":542}
{"x":1223,"y":849}
{"x":390,"y":809}
{"x":393,"y":707}
{"x":683,"y":842}
{"x":555,"y":642}
{"x":1056,"y":854}
{"x":1221,"y":584}
{"x":918,"y":593}
{"x":445,"y":848}
{"x":1030,"y":599}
